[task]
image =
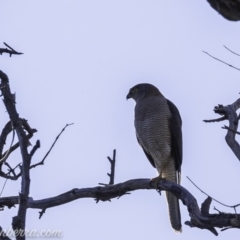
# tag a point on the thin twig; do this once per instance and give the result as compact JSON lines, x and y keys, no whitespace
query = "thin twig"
{"x":3,"y":186}
{"x":11,"y":170}
{"x":222,"y":61}
{"x":5,"y":156}
{"x":231,"y":51}
{"x":228,"y":128}
{"x":112,"y":162}
{"x":112,"y":173}
{"x":41,"y":213}
{"x":234,"y":206}
{"x":7,"y":175}
{"x":34,"y":149}
{"x":229,"y":112}
{"x":42,"y":161}
{"x":227,"y":228}
{"x":216,"y":120}
{"x":217,"y":210}
{"x":6,"y":130}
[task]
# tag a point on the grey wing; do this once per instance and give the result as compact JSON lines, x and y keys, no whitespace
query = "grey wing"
{"x":176,"y":135}
{"x":148,"y":155}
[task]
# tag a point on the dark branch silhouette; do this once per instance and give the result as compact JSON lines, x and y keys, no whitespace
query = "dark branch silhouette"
{"x":231,"y":51}
{"x":9,"y":50}
{"x":112,"y":162}
{"x":228,"y":128}
{"x":198,"y":218}
{"x":216,"y":120}
{"x":19,"y":221}
{"x":225,"y":205}
{"x":221,"y":61}
{"x":229,"y":113}
{"x":112,"y":173}
{"x":42,"y":161}
{"x":4,"y":156}
{"x":34,"y":149}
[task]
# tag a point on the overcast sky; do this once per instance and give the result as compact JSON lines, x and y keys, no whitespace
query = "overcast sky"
{"x":80,"y":59}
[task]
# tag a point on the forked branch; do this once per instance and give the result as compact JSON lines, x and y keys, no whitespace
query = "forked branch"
{"x":230,"y":65}
{"x":19,"y":220}
{"x":112,"y":173}
{"x":198,"y":218}
{"x":229,"y":113}
{"x":9,"y":50}
{"x":44,"y":158}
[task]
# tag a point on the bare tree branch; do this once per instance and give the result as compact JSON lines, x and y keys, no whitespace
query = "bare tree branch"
{"x":231,"y":51}
{"x":225,"y":205}
{"x":229,"y":113}
{"x":7,"y":130}
{"x":216,"y":120}
{"x":222,"y":61}
{"x":42,"y":161}
{"x":37,"y":145}
{"x":112,"y":163}
{"x":112,"y":173}
{"x":198,"y":218}
{"x":41,"y":213}
{"x":3,"y":187}
{"x":228,"y":128}
{"x":9,"y":50}
{"x":19,"y":221}
{"x":8,"y":176}
{"x":10,"y":169}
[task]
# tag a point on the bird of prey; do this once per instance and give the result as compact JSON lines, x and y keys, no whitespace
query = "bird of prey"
{"x":158,"y":128}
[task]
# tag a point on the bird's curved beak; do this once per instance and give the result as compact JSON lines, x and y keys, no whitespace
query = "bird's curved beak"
{"x":129,"y":95}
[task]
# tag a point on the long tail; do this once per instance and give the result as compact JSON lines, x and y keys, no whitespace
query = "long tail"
{"x":173,"y":204}
{"x":174,"y":212}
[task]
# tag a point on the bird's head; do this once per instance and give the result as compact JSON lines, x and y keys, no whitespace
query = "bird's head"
{"x":142,"y":91}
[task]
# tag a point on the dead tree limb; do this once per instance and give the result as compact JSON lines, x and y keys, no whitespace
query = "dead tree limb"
{"x":198,"y":218}
{"x":112,"y":163}
{"x":229,"y":113}
{"x":216,"y":120}
{"x":9,"y":50}
{"x":19,"y":221}
{"x":14,"y":175}
{"x":7,"y":130}
{"x":231,"y":51}
{"x":42,"y":161}
{"x":221,"y":61}
{"x":3,"y":137}
{"x":112,"y":173}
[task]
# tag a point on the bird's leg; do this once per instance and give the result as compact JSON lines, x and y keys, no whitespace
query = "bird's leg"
{"x":154,"y":181}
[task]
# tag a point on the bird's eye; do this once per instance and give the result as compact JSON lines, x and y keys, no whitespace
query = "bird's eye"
{"x":134,"y":90}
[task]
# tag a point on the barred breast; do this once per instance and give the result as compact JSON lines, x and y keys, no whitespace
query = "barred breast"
{"x":152,"y":128}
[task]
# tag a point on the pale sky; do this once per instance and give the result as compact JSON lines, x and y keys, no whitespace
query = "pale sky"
{"x":80,"y":59}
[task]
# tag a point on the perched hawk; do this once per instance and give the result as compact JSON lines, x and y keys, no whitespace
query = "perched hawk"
{"x":158,"y":129}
